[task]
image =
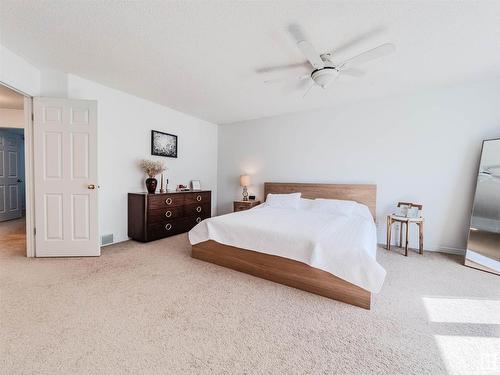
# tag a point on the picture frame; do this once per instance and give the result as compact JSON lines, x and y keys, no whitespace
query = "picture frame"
{"x":408,"y":211}
{"x":163,"y":144}
{"x":402,"y":210}
{"x":412,"y":213}
{"x":195,"y":185}
{"x":182,"y":188}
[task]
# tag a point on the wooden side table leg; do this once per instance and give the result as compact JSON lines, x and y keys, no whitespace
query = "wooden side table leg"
{"x":387,"y":234}
{"x":421,"y":237}
{"x":401,"y":234}
{"x":389,"y":227}
{"x":406,"y":238}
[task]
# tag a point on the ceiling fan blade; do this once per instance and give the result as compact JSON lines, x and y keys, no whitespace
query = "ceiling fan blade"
{"x":278,"y":80}
{"x":276,"y":68}
{"x":353,"y":72}
{"x":311,"y":55}
{"x":382,"y":50}
{"x":306,"y":47}
{"x":297,"y":32}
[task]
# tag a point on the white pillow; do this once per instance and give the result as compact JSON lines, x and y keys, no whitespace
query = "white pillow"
{"x":334,"y":205}
{"x":283,"y":200}
{"x":306,"y":203}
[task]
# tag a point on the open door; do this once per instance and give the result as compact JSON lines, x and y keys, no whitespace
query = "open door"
{"x":10,"y":199}
{"x":65,"y":176}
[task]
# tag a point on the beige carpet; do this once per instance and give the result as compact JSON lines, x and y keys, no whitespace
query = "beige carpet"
{"x":151,"y":309}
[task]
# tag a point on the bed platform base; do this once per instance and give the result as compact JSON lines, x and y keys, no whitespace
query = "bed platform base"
{"x":283,"y":271}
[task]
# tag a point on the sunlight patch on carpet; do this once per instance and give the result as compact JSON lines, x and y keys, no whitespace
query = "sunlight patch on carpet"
{"x":462,"y":310}
{"x":470,"y":355}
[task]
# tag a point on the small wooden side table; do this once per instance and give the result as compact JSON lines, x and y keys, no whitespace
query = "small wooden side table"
{"x":405,"y":221}
{"x":244,"y":205}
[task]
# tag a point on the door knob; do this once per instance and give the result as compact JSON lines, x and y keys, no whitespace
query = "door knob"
{"x":91,"y":187}
{"x":19,"y":180}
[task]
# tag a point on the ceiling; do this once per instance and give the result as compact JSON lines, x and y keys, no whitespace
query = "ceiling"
{"x":203,"y":58}
{"x":9,"y":99}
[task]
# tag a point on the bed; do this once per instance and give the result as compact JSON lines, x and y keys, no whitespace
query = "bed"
{"x":332,"y":255}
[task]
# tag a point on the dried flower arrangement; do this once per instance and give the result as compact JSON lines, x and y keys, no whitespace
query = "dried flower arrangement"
{"x":152,"y":167}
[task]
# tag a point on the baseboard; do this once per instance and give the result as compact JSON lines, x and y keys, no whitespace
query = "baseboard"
{"x":441,"y":249}
{"x":115,"y":241}
{"x":451,"y":250}
{"x":381,"y":235}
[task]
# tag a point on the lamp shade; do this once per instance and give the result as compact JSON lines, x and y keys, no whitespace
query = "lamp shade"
{"x":244,"y":180}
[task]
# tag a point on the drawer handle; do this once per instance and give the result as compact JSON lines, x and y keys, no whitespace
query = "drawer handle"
{"x":168,"y":226}
{"x":198,"y":209}
{"x":168,"y":201}
{"x":198,"y":198}
{"x":168,"y":213}
{"x":198,"y":219}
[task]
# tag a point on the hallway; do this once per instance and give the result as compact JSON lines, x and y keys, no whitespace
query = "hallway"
{"x":13,"y":238}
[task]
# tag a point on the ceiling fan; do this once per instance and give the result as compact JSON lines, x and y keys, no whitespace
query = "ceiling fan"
{"x":325,"y":68}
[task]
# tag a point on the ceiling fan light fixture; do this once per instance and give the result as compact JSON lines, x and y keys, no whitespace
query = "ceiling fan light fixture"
{"x":324,"y":77}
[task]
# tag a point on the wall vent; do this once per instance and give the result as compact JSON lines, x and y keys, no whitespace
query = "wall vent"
{"x":106,"y":239}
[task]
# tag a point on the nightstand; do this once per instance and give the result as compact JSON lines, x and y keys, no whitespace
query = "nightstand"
{"x":406,"y":221}
{"x":244,"y":205}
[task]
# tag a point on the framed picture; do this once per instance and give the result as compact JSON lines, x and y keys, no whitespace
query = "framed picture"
{"x":412,"y":212}
{"x":407,"y":210}
{"x":182,"y":188}
{"x":163,"y":144}
{"x":402,"y":210}
{"x":196,"y":185}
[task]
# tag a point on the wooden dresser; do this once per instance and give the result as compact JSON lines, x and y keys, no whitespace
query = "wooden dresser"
{"x":155,"y":216}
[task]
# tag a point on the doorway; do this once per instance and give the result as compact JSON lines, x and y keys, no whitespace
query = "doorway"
{"x":12,"y":172}
{"x":60,"y":159}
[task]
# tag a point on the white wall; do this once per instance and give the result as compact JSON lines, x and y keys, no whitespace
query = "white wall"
{"x":11,"y":118}
{"x":422,"y":148}
{"x":53,"y":83}
{"x":18,"y":73}
{"x":30,"y":79}
{"x":124,"y":136}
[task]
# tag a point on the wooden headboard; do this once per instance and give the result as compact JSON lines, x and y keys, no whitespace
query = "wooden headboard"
{"x":361,"y":193}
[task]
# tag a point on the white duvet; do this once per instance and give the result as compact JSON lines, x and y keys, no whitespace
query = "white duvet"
{"x":341,"y":243}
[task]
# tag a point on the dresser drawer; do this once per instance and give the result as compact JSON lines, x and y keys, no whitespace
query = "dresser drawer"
{"x":165,"y":200}
{"x":166,"y":213}
{"x":168,"y":228}
{"x":193,"y":220}
{"x":202,"y":197}
{"x":197,"y":209}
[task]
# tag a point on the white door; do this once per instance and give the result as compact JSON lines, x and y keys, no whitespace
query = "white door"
{"x":10,"y":200}
{"x":65,"y":152}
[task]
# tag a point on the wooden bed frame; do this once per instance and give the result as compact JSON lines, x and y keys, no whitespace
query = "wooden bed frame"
{"x":287,"y":271}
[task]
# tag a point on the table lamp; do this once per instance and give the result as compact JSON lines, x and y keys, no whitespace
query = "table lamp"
{"x":244,"y":182}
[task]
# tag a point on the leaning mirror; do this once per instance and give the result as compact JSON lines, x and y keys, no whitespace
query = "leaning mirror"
{"x":483,"y":247}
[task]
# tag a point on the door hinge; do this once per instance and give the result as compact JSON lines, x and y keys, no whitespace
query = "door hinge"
{"x":32,"y":116}
{"x":34,"y":231}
